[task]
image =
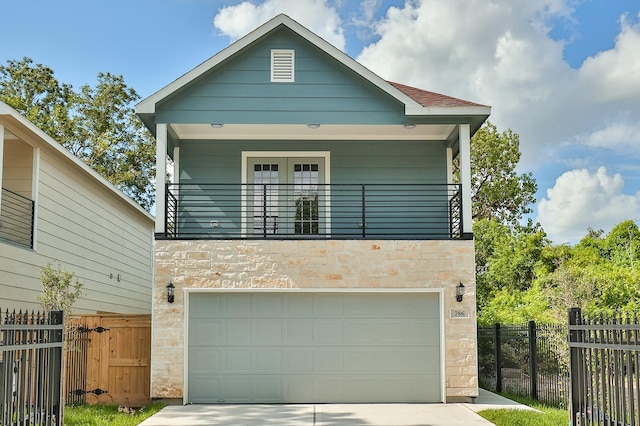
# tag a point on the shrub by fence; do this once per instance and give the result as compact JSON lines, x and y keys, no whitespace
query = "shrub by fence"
{"x":605,"y":366}
{"x":528,"y":360}
{"x":31,"y":368}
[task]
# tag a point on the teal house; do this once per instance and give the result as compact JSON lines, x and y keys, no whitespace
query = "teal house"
{"x":311,"y":244}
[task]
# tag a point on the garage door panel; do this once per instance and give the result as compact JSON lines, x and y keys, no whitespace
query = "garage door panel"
{"x":298,"y":360}
{"x":236,"y":332}
{"x":327,"y":306}
{"x":267,"y":332}
{"x":202,"y":360}
{"x":298,"y":332}
{"x":313,"y":347}
{"x":328,"y":332}
{"x":207,"y":330}
{"x":268,"y":360}
{"x":236,"y":306}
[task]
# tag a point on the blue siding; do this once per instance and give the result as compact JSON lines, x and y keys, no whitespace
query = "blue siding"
{"x":239,"y":91}
{"x":351,"y":162}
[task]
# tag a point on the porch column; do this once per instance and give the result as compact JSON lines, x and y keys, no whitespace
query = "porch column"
{"x":1,"y":158}
{"x":161,"y":173}
{"x":464,"y":143}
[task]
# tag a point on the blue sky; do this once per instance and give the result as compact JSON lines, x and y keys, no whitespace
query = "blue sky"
{"x":564,"y":74}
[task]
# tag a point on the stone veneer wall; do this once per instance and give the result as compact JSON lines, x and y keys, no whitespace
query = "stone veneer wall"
{"x":314,"y":264}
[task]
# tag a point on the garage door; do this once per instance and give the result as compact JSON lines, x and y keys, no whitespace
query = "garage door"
{"x":313,"y":347}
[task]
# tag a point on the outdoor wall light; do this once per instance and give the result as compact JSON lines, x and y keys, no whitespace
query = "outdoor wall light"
{"x":459,"y":292}
{"x":217,"y":125}
{"x":170,"y":290}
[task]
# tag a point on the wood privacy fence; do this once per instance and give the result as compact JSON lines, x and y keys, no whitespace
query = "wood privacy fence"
{"x":605,"y":370}
{"x":31,"y":350}
{"x":527,"y":360}
{"x":108,"y":360}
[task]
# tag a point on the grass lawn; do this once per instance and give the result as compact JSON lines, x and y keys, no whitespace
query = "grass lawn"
{"x":547,"y":417}
{"x":106,"y":415}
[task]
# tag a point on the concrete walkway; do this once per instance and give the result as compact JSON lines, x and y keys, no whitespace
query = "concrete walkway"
{"x":332,"y":414}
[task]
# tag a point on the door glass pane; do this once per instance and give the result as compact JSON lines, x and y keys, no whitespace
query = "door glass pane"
{"x":265,"y":198}
{"x":305,"y":188}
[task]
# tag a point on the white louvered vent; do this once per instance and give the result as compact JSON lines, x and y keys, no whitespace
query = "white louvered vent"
{"x":282,"y":66}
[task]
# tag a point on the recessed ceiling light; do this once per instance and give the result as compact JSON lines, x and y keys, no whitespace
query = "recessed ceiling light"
{"x":313,"y":126}
{"x":217,"y":125}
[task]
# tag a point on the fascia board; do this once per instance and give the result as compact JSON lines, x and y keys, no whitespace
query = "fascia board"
{"x":467,"y":110}
{"x":148,"y":105}
{"x":48,"y":141}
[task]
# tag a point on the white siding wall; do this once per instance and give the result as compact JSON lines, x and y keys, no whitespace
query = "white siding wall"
{"x":92,"y":233}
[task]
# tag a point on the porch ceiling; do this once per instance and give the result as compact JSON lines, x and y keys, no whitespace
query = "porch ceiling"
{"x":419,"y":132}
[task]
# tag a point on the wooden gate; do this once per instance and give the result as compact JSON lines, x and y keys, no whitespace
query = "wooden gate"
{"x":108,"y":360}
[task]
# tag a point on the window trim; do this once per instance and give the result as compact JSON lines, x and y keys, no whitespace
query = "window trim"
{"x":244,"y":169}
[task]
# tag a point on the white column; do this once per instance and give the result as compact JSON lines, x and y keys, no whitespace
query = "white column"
{"x":161,"y":173}
{"x":449,"y":165}
{"x":176,"y":165}
{"x":1,"y":157}
{"x":464,"y":143}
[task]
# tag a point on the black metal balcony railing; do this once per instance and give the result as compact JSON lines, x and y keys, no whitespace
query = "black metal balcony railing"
{"x":295,"y":211}
{"x":16,"y":218}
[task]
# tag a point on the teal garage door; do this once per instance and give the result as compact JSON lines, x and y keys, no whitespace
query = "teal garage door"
{"x":313,"y":347}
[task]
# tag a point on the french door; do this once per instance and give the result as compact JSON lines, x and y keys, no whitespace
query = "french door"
{"x":285,"y":196}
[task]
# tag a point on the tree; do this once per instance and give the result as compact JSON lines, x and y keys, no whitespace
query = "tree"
{"x":97,"y":124}
{"x":59,"y":291}
{"x":497,"y":191}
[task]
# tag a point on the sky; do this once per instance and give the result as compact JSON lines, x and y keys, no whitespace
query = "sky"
{"x":563,"y":74}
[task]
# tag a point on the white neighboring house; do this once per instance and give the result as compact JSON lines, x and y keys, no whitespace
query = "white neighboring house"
{"x":55,"y":208}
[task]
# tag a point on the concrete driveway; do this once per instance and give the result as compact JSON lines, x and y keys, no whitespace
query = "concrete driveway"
{"x":332,"y":414}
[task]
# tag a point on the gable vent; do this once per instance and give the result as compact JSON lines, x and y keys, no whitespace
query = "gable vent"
{"x":282,"y":66}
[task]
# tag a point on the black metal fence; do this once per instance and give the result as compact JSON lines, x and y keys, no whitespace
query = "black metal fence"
{"x":31,"y":346}
{"x":605,"y":367}
{"x":16,"y":216}
{"x":349,"y":211}
{"x":528,"y":360}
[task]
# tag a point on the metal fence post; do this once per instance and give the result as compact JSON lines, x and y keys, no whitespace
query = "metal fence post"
{"x":498,"y":359}
{"x":576,"y":380}
{"x":55,"y":365}
{"x":533,"y":360}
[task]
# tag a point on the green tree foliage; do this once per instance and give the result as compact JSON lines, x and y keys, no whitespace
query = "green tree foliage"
{"x":59,"y":290}
{"x":497,"y":190}
{"x":98,"y":124}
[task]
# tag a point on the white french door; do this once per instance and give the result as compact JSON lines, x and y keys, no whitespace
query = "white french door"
{"x":285,"y":196}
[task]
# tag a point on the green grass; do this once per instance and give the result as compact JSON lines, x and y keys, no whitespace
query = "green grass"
{"x":547,"y":416}
{"x":106,"y":415}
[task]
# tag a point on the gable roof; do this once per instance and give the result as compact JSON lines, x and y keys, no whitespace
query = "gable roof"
{"x":417,"y":102}
{"x":11,"y":118}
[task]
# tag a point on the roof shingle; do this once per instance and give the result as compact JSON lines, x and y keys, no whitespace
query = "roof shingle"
{"x":432,"y":99}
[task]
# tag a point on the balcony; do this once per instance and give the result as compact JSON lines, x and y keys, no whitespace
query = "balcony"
{"x":16,"y":218}
{"x":308,"y":211}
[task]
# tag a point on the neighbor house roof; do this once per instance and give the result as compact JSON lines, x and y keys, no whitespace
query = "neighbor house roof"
{"x":17,"y":122}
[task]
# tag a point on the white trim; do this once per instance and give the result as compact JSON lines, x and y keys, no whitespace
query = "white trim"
{"x":185,"y":351}
{"x":161,"y":173}
{"x":2,"y":133}
{"x":148,"y":105}
{"x":465,"y":110}
{"x":35,"y":184}
{"x":464,"y":146}
{"x":189,"y":291}
{"x":286,"y":154}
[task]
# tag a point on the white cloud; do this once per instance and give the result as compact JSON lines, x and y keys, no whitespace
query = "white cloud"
{"x":317,"y":15}
{"x":580,"y":199}
{"x":614,"y":75}
{"x":617,"y":136}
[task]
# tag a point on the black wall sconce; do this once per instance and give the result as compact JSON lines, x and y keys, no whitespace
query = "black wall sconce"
{"x":170,"y":290}
{"x":459,"y":292}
